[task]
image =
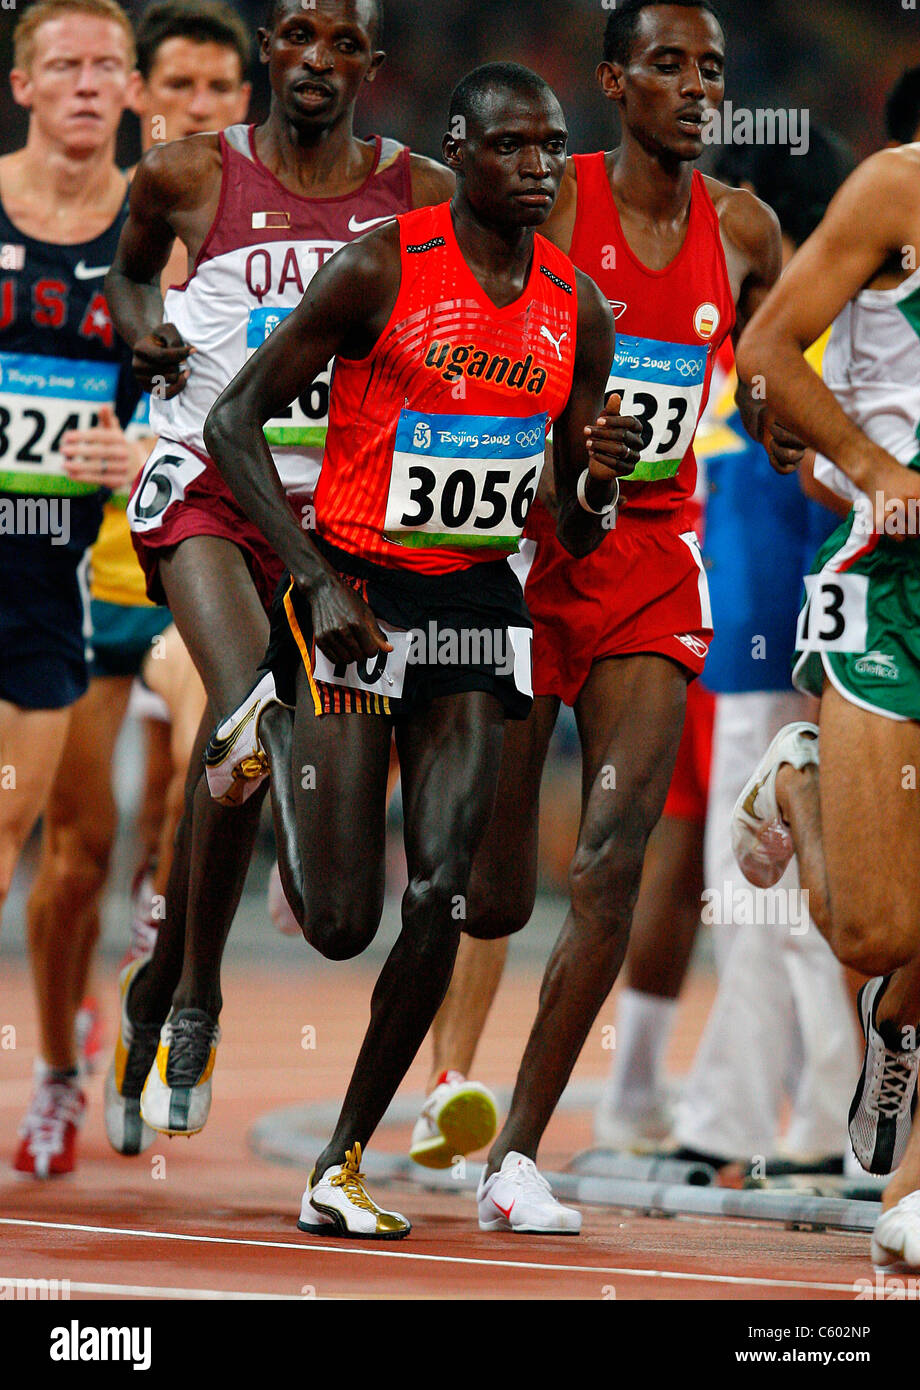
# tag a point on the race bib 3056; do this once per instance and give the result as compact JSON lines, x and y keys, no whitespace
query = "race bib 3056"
{"x":463,"y":480}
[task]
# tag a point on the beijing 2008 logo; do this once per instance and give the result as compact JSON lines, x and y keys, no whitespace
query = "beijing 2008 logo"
{"x":421,"y":438}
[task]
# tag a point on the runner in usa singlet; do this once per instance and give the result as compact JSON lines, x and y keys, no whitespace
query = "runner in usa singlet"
{"x":436,"y":438}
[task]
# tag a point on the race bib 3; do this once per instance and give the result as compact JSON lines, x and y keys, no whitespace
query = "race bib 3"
{"x":661,"y":385}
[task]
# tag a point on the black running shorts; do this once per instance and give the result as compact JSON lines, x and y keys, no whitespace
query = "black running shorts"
{"x":466,"y":630}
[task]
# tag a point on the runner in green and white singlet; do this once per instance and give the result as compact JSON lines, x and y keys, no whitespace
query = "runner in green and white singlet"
{"x":855,"y":827}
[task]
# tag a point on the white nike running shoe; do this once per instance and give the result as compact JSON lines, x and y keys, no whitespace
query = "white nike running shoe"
{"x":518,"y":1198}
{"x":339,"y":1205}
{"x":458,"y":1117}
{"x":883,"y":1105}
{"x":235,"y":761}
{"x":896,"y":1238}
{"x":761,"y":839}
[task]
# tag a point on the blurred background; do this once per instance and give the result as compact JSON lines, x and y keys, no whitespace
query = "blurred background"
{"x":835,"y":58}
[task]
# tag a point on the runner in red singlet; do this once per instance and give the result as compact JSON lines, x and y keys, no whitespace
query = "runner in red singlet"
{"x":459,"y":336}
{"x":683,"y":261}
{"x":259,"y":210}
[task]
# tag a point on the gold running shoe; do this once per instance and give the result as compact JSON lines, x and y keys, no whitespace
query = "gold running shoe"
{"x":339,"y":1205}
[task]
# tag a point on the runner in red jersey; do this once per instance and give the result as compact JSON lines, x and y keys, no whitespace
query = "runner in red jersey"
{"x":683,"y":261}
{"x":258,"y":210}
{"x":459,"y":335}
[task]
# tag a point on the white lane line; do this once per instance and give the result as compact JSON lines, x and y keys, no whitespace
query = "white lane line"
{"x":350,"y":1249}
{"x":151,"y":1291}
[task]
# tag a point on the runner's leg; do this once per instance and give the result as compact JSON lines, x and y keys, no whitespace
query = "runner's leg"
{"x":221,"y":619}
{"x":31,"y":743}
{"x":869,"y":914}
{"x":502,"y":889}
{"x":630,"y":714}
{"x":77,"y":837}
{"x":449,"y":756}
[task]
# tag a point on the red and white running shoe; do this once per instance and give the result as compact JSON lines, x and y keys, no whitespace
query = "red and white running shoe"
{"x":90,"y":1034}
{"x":48,"y":1134}
{"x":146,"y":915}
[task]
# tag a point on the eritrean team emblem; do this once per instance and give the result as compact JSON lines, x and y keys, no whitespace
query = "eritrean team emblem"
{"x":706,"y":320}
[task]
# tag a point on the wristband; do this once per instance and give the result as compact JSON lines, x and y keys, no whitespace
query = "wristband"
{"x":586,"y":505}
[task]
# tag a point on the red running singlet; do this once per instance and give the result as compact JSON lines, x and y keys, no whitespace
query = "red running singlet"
{"x":436,"y":438}
{"x":669,"y":323}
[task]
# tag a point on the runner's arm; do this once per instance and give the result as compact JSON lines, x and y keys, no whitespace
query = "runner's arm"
{"x":170,"y":179}
{"x":343,"y":313}
{"x":845,"y":252}
{"x":753,"y":229}
{"x":580,"y":441}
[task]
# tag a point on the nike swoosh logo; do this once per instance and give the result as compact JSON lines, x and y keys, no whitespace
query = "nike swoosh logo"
{"x":618,"y":306}
{"x":505,"y":1214}
{"x":355,"y":226}
{"x":82,"y":271}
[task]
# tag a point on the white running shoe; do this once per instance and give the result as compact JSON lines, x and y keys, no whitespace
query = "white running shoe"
{"x":235,"y":761}
{"x":896,"y":1238}
{"x":458,"y":1118}
{"x":339,"y":1205}
{"x":518,"y":1198}
{"x":279,"y":909}
{"x":883,"y":1105}
{"x":176,"y":1098}
{"x":761,"y":839}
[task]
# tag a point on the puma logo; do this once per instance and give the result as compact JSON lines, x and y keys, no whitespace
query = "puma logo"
{"x":556,"y":342}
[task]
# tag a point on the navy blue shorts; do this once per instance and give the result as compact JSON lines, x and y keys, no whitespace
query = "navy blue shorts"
{"x":43,"y":623}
